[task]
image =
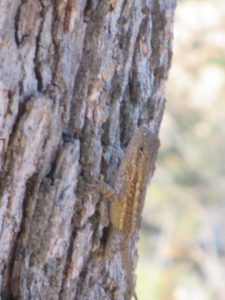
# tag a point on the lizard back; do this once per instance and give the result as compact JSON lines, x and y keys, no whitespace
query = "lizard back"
{"x":137,"y":166}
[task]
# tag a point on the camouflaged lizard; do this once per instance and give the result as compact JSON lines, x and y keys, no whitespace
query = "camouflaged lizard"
{"x":127,"y":195}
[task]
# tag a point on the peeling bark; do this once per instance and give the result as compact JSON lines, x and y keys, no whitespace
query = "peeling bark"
{"x":76,"y":79}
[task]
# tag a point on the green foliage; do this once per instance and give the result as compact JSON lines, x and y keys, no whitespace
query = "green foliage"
{"x":217,"y":60}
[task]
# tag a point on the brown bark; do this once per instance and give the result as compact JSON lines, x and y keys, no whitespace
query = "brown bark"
{"x":76,"y":79}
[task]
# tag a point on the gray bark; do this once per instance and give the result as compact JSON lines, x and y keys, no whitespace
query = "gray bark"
{"x":76,"y":79}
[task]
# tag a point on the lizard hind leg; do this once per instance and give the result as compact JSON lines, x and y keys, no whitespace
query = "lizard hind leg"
{"x":113,"y":244}
{"x":117,"y":243}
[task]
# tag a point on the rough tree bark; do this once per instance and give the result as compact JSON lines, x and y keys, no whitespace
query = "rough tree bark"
{"x":76,"y":79}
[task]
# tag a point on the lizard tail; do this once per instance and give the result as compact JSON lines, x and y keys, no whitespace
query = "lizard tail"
{"x":129,"y":274}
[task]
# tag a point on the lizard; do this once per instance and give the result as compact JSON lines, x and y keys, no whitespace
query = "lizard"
{"x":128,"y":193}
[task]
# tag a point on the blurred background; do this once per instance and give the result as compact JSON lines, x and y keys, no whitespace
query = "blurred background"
{"x":182,"y":245}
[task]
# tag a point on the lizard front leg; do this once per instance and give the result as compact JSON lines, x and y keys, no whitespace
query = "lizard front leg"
{"x":108,"y":191}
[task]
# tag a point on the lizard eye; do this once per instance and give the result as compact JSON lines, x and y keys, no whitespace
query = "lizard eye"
{"x":141,"y":149}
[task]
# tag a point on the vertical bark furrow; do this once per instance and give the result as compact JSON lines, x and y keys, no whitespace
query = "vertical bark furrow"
{"x":37,"y":71}
{"x":49,"y":230}
{"x":25,"y":153}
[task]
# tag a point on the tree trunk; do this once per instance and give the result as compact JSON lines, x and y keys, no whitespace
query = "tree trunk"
{"x":76,"y":80}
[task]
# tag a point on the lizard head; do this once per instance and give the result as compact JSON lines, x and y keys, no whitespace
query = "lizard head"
{"x":147,"y":144}
{"x":141,"y":153}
